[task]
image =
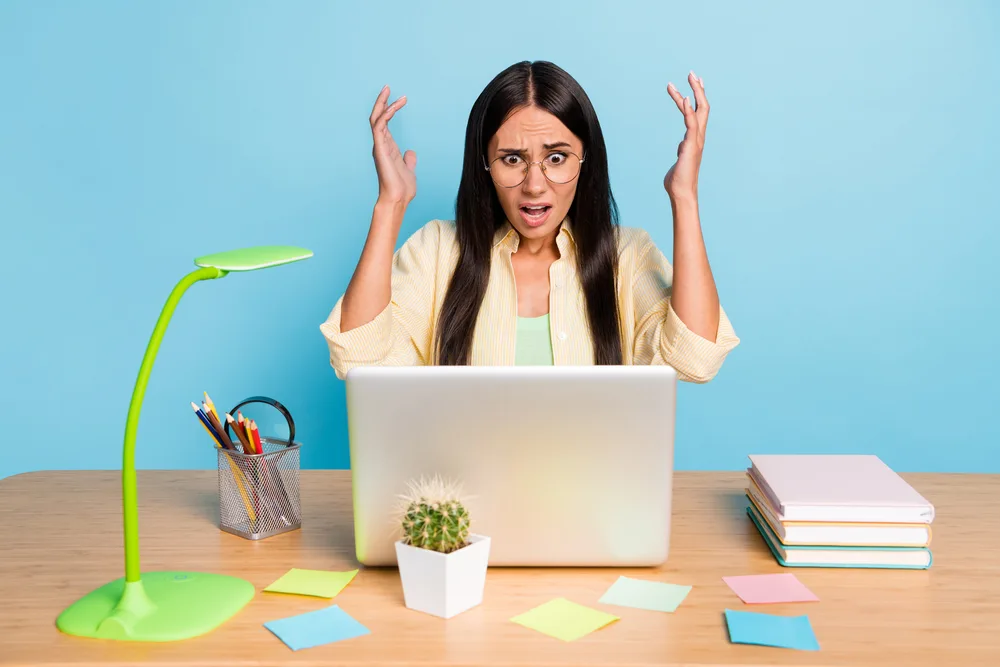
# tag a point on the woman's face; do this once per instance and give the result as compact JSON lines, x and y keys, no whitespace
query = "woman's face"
{"x":532,"y":134}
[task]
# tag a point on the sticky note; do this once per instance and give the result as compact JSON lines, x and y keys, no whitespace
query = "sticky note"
{"x":770,"y":588}
{"x":314,"y":628}
{"x":749,"y":627}
{"x":318,"y":583}
{"x":563,"y":619}
{"x":645,"y":594}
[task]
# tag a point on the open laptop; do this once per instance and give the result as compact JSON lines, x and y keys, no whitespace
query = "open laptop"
{"x":561,"y":465}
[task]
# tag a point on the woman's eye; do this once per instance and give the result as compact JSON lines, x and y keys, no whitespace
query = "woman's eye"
{"x":557,"y":158}
{"x":511,"y":160}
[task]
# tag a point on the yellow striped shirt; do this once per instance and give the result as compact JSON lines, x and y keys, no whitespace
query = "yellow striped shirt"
{"x":403,"y":332}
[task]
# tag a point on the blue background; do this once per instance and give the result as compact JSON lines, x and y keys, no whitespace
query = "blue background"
{"x":845,"y":200}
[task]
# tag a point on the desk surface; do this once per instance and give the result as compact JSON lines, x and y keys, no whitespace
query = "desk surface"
{"x":60,"y":537}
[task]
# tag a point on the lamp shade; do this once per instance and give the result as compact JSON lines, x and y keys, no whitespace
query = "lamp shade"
{"x":256,"y":257}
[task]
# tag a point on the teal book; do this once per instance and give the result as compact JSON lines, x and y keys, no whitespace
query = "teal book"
{"x":913,"y":558}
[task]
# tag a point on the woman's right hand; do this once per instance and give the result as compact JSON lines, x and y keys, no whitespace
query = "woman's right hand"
{"x":397,"y":182}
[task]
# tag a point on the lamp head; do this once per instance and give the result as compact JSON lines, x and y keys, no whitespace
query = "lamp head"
{"x":253,"y":258}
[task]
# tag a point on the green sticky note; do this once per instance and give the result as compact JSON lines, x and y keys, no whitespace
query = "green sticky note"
{"x":564,"y":620}
{"x":318,"y":583}
{"x":644,"y":594}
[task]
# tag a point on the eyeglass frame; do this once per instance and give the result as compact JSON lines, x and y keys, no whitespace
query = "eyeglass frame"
{"x":527,"y":168}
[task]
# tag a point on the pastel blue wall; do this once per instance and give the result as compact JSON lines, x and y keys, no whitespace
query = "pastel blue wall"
{"x":845,"y":192}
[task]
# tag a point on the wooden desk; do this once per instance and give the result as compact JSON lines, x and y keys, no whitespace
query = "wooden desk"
{"x":60,"y":537}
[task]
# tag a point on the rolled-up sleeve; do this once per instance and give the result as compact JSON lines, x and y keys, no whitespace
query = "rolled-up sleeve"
{"x":401,"y":332}
{"x":661,"y":337}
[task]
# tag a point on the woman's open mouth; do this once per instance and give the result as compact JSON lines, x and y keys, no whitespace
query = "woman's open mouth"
{"x":534,"y":216}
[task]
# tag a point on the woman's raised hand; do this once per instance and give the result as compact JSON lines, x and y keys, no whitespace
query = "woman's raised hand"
{"x":682,"y":178}
{"x":397,"y":182}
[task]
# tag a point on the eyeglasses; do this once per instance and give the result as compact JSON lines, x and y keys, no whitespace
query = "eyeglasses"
{"x":509,"y":171}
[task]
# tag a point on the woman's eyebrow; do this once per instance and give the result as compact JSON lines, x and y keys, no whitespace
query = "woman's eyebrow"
{"x":558,"y":144}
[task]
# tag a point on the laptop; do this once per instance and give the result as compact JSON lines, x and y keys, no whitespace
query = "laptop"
{"x":559,"y":465}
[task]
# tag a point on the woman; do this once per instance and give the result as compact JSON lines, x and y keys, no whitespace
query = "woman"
{"x":535,"y":268}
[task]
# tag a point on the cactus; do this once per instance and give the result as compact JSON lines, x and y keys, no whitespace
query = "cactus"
{"x":434,"y":516}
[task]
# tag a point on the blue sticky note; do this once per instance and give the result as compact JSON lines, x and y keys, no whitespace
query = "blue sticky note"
{"x":748,"y":627}
{"x":314,"y":628}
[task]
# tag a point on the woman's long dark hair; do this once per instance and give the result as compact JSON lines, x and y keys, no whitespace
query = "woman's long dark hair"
{"x":478,"y":213}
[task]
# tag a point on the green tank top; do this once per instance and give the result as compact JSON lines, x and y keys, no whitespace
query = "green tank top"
{"x":534,"y":343}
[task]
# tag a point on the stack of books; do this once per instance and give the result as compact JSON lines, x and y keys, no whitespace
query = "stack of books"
{"x":838,"y":510}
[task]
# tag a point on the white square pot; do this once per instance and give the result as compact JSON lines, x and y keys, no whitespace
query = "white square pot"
{"x":443,"y":584}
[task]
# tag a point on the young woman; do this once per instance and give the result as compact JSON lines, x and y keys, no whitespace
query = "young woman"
{"x":535,"y":268}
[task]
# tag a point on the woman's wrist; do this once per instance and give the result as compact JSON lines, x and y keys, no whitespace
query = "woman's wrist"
{"x":389,"y":205}
{"x":684,"y":198}
{"x":684,"y":208}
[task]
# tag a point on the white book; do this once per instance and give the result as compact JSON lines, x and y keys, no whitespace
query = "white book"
{"x":827,"y":556}
{"x":837,"y":487}
{"x":838,"y":533}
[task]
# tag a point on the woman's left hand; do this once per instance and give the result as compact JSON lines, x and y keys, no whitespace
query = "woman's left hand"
{"x":682,"y":178}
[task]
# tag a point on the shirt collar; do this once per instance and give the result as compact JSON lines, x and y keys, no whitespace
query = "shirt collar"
{"x":508,"y":237}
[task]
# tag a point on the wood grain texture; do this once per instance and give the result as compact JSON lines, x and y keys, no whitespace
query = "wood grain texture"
{"x":61,"y":536}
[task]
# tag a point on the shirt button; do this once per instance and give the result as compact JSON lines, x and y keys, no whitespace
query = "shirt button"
{"x":562,"y":335}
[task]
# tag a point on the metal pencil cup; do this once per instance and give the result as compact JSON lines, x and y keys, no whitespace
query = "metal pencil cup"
{"x":259,"y":493}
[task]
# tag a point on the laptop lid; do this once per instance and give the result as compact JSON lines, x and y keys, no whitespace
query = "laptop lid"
{"x":561,"y":465}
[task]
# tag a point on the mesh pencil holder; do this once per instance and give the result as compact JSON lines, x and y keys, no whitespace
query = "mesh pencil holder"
{"x":259,"y":493}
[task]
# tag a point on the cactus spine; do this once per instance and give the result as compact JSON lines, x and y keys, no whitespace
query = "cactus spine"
{"x":434,"y":516}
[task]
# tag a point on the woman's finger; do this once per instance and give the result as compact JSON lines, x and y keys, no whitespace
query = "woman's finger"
{"x":390,"y":111}
{"x":684,"y":104}
{"x":410,"y":159}
{"x":379,"y":105}
{"x":698,"y":86}
{"x":690,"y":117}
{"x":676,"y":96}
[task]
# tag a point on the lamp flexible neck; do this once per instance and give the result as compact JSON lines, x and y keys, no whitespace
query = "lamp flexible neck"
{"x":129,"y":499}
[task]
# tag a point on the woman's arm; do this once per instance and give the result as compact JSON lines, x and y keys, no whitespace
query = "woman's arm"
{"x":695,"y":298}
{"x":383,"y":318}
{"x":390,"y":323}
{"x":660,"y":336}
{"x":370,"y":288}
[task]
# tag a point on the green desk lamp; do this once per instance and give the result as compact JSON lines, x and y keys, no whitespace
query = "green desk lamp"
{"x":166,"y":606}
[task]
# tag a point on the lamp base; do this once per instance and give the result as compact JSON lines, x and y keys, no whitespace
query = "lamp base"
{"x":160,"y":607}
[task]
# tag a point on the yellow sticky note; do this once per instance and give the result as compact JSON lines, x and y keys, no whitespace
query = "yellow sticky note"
{"x":318,"y":583}
{"x":563,"y":619}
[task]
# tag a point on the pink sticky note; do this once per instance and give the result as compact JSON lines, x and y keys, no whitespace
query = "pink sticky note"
{"x":770,"y":588}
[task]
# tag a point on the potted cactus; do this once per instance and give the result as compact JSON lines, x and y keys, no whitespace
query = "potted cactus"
{"x":442,"y":565}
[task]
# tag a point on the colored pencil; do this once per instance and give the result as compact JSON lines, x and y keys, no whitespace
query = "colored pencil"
{"x":204,"y":422}
{"x":256,"y":436}
{"x":279,"y":508}
{"x":263,"y":474}
{"x":226,"y":441}
{"x":241,"y":481}
{"x":211,"y":405}
{"x":273,"y":473}
{"x":237,"y":473}
{"x":247,"y":449}
{"x":245,"y":424}
{"x":233,"y":424}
